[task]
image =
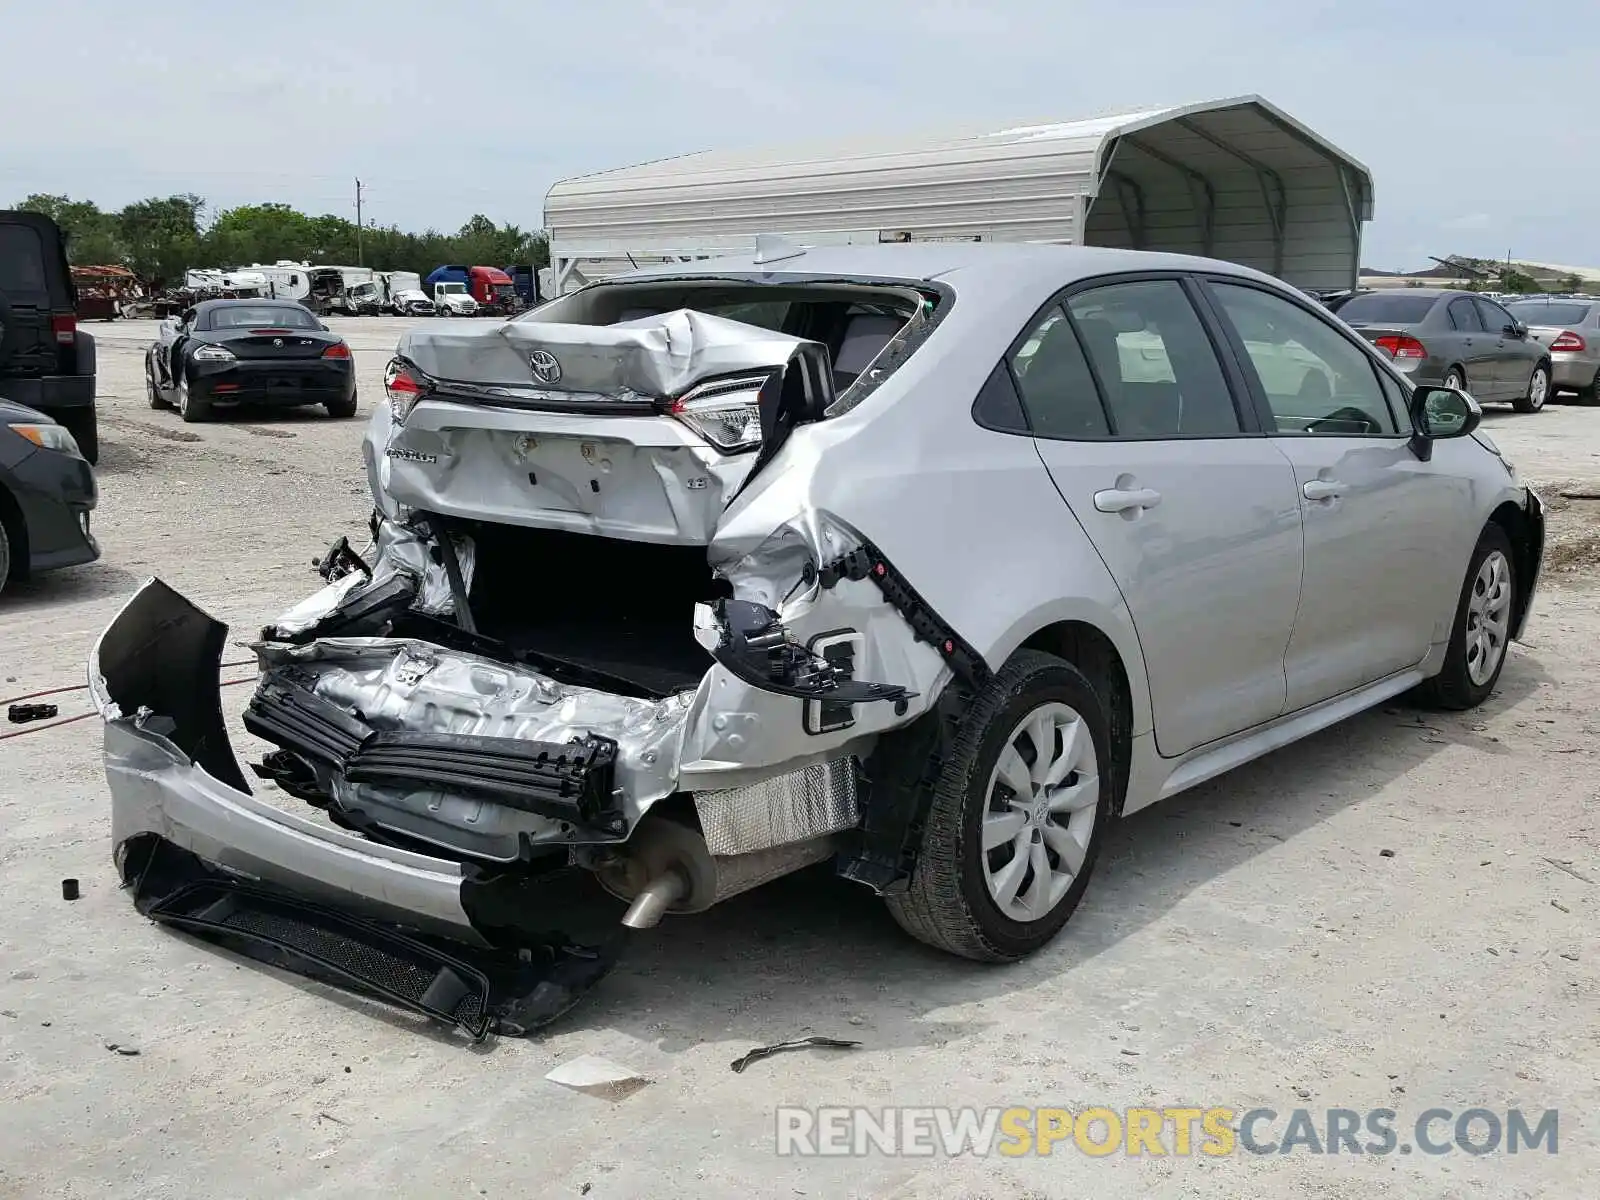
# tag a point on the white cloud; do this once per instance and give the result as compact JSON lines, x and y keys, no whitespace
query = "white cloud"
{"x":447,"y":110}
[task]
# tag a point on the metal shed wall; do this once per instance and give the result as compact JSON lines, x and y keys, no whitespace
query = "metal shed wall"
{"x":1236,"y":178}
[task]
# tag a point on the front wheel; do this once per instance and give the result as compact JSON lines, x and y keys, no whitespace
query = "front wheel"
{"x":1591,"y":394}
{"x":1482,"y":630}
{"x":152,"y":393}
{"x":1538,"y":391}
{"x":1016,"y":817}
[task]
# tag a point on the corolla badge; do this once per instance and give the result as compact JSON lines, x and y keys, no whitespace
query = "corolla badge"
{"x":545,"y":367}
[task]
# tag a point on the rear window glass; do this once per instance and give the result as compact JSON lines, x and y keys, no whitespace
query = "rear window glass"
{"x":22,"y":271}
{"x":261,"y":317}
{"x":1386,"y":309}
{"x":1537,"y":312}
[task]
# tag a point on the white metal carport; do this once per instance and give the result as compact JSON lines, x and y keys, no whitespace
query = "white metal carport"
{"x":1237,"y":179}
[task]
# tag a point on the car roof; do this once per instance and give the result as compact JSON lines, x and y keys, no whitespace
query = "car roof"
{"x":209,"y":305}
{"x":1006,"y":264}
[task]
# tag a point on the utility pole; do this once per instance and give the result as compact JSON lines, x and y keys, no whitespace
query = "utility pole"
{"x":359,"y":262}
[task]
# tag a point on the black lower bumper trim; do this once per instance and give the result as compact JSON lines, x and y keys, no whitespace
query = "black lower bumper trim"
{"x":312,"y":940}
{"x":523,"y":981}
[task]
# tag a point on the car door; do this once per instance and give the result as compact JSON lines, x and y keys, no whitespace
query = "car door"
{"x":1477,"y":349}
{"x":1192,"y":510}
{"x":1515,"y":357}
{"x":1376,"y":590}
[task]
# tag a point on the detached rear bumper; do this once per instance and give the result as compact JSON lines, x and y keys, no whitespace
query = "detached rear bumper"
{"x":172,"y":773}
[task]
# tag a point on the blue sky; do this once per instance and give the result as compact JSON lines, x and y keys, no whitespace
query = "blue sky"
{"x":1470,"y":114}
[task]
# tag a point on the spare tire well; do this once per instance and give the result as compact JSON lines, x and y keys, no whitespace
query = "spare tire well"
{"x":1086,"y":648}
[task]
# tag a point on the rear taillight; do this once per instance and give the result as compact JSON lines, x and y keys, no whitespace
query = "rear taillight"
{"x":1400,"y":345}
{"x":403,"y":387}
{"x":337,"y":350}
{"x":65,"y":327}
{"x":1569,"y":341}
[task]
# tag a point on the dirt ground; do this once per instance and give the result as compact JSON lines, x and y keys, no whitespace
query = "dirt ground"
{"x":1252,"y":943}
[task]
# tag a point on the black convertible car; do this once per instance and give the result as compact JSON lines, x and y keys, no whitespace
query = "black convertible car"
{"x":223,"y":352}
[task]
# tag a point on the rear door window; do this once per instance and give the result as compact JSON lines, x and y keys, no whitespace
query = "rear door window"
{"x":1057,"y":389}
{"x":1154,"y":363}
{"x":22,"y":269}
{"x":1464,"y":315}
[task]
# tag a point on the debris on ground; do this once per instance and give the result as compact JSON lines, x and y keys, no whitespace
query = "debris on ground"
{"x":21,"y":714}
{"x":69,"y":889}
{"x":1385,"y":853}
{"x":760,"y":1052}
{"x":596,"y":1076}
{"x":123,"y":1048}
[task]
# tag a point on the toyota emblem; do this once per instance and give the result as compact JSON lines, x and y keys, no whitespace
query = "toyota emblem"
{"x":545,"y":367}
{"x":277,"y":341}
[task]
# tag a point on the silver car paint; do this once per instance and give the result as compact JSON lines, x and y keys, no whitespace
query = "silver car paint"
{"x":908,"y":469}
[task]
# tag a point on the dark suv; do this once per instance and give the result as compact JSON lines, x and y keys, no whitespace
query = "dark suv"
{"x":46,"y":361}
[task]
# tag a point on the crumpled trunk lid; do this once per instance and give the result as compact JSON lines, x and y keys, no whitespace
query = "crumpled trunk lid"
{"x":569,"y":426}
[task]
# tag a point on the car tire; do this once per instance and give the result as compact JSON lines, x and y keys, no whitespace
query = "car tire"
{"x":152,"y":394}
{"x":1487,"y":605}
{"x":343,"y":407}
{"x":1591,"y":394}
{"x":84,"y":426}
{"x":957,"y":898}
{"x":1456,"y":378}
{"x":1538,"y":391}
{"x":191,"y":408}
{"x":5,"y":556}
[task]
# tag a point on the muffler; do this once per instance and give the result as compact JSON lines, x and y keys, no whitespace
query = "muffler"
{"x":667,"y":867}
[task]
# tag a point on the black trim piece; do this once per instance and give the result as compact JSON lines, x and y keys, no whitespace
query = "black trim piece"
{"x":539,"y":777}
{"x":368,"y":611}
{"x":867,"y":562}
{"x":572,"y":782}
{"x":758,"y":649}
{"x":524,"y":980}
{"x":314,"y":940}
{"x":452,"y":570}
{"x":898,"y":784}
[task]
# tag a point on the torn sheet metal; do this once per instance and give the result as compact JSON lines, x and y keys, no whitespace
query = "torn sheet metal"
{"x":403,"y":553}
{"x":647,"y":359}
{"x":806,"y":1043}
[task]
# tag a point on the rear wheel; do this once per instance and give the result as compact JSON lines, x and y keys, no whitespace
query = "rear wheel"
{"x":1591,"y":394}
{"x":1538,"y":391}
{"x":345,"y":406}
{"x":5,"y":556}
{"x":1482,"y":629}
{"x":191,"y":408}
{"x":1016,"y":817}
{"x":1456,"y":378}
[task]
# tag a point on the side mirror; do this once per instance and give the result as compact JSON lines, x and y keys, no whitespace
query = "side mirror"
{"x":1439,"y":412}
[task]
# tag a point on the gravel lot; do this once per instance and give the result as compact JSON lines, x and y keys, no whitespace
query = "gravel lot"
{"x":1244,"y":945}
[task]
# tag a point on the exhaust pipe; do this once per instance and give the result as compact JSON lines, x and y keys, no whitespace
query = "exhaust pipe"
{"x":653,"y":900}
{"x":670,"y":869}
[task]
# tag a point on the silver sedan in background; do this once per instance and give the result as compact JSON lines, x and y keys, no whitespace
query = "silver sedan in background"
{"x":1571,"y":330}
{"x":1457,"y":339}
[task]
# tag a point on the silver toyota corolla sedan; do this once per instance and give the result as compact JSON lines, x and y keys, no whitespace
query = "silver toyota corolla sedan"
{"x":932,"y":561}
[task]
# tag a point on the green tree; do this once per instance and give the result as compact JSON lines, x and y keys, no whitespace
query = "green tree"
{"x":91,"y":234}
{"x":161,"y":237}
{"x":1571,"y":283}
{"x":261,"y":233}
{"x":1519,"y":282}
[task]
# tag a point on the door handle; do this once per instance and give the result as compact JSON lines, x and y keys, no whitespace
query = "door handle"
{"x":1121,"y":500}
{"x":1323,"y":489}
